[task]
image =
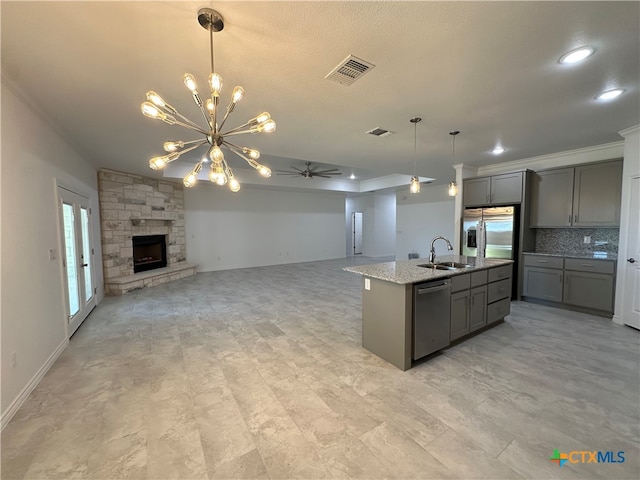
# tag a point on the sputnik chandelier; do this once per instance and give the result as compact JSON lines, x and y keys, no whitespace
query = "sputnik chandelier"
{"x":220,"y":172}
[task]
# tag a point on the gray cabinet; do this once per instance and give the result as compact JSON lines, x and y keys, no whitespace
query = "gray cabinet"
{"x":584,"y":196}
{"x":589,"y":284}
{"x":479,"y":299}
{"x":477,"y":308}
{"x":597,"y":195}
{"x":543,"y":283}
{"x":498,"y":293}
{"x":505,"y":189}
{"x":586,"y":284}
{"x":543,"y":277}
{"x":552,"y":198}
{"x":459,"y":314}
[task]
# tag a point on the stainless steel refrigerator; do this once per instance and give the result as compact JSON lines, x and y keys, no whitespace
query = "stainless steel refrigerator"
{"x":499,"y":232}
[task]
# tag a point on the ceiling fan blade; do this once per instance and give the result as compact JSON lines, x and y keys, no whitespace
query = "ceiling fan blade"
{"x":328,"y":172}
{"x":284,"y":172}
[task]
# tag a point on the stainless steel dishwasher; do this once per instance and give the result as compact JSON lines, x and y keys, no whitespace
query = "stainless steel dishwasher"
{"x":431,"y":317}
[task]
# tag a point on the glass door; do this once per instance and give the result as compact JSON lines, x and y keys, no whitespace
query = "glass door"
{"x":77,"y":257}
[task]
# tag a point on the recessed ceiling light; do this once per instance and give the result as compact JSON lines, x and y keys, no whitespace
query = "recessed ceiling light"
{"x":610,"y":94}
{"x":577,"y":55}
{"x":352,"y":177}
{"x":497,"y":151}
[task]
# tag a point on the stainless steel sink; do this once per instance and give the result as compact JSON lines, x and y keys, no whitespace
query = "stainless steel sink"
{"x":454,"y":264}
{"x":436,"y":266}
{"x":445,"y":265}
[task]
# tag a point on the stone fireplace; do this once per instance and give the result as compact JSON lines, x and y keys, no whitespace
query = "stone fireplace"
{"x":152,"y":211}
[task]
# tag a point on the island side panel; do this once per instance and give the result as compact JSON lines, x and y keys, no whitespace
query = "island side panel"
{"x":387,"y":321}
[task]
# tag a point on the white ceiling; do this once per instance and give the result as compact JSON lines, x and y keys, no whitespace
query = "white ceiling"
{"x":488,"y":69}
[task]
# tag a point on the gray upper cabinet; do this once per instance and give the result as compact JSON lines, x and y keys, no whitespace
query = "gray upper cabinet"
{"x":476,"y":191}
{"x":584,"y":196}
{"x":552,"y":198}
{"x":505,"y":189}
{"x":597,"y":194}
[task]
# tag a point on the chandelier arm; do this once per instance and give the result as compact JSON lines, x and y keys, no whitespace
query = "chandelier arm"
{"x":191,"y":127}
{"x":233,"y":130}
{"x":214,"y":114}
{"x":188,"y":121}
{"x":193,"y":147}
{"x":241,"y":132}
{"x":224,"y":119}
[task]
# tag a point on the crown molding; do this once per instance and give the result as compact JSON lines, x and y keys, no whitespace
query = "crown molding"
{"x":595,"y":153}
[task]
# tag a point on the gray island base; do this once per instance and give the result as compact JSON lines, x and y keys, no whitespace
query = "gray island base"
{"x":409,"y":312}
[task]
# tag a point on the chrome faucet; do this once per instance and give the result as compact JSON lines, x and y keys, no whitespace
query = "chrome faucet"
{"x":432,"y":255}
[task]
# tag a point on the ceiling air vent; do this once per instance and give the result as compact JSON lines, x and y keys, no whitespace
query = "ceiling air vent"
{"x":379,"y":132}
{"x":349,"y":70}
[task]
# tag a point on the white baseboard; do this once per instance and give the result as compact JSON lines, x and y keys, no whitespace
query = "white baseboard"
{"x":33,"y":383}
{"x":618,"y":319}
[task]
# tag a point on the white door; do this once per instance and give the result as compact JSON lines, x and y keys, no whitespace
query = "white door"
{"x":357,"y":233}
{"x":77,"y":256}
{"x":631,"y":293}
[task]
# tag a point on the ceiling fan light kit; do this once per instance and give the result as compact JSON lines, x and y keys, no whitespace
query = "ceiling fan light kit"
{"x":220,"y":172}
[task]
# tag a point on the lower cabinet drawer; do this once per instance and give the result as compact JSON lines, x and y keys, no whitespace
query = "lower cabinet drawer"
{"x":499,"y":273}
{"x":498,"y":310}
{"x":595,"y":266}
{"x":499,"y":290}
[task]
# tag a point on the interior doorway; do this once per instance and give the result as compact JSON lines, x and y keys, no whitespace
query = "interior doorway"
{"x":356,"y":222}
{"x":77,"y":257}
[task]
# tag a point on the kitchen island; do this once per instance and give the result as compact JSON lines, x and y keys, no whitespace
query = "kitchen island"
{"x":395,"y":320}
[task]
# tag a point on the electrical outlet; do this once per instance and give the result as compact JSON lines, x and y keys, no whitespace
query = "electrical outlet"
{"x":367,"y":284}
{"x":14,"y":360}
{"x":587,"y":239}
{"x":52,"y":254}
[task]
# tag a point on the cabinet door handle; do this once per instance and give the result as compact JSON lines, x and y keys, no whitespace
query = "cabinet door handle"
{"x":569,"y":219}
{"x":492,"y":197}
{"x":488,"y":198}
{"x":575,"y":219}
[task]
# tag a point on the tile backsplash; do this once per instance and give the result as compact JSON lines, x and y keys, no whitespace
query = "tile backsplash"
{"x":571,"y":240}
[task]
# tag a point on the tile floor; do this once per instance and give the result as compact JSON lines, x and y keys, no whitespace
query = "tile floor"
{"x":259,"y":373}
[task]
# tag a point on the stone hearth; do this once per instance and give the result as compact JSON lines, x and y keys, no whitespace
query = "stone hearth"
{"x":132,"y":205}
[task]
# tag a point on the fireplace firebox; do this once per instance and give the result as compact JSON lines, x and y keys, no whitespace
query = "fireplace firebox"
{"x":149,"y":252}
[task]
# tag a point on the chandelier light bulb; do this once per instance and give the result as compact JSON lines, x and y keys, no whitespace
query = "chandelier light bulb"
{"x":190,"y":82}
{"x":238,"y":93}
{"x":173,"y":146}
{"x":150,"y":110}
{"x":158,"y":163}
{"x":192,"y":178}
{"x":263,"y":117}
{"x":209,"y":104}
{"x":255,"y":154}
{"x":264,"y":171}
{"x":234,"y":185}
{"x":156,"y":99}
{"x":215,"y":82}
{"x":216,"y":154}
{"x":266,"y":127}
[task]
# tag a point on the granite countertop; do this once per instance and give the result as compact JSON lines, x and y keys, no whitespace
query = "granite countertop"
{"x":585,"y":255}
{"x":407,"y":271}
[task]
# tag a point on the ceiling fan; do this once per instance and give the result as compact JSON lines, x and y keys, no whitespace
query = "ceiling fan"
{"x":310,"y":171}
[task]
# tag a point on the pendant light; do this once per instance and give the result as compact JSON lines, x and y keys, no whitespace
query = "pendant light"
{"x":414,"y":186}
{"x":453,"y":186}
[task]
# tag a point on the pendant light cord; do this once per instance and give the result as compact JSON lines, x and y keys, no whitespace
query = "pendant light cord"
{"x":415,"y":134}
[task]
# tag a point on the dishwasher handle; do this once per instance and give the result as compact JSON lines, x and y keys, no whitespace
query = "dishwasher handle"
{"x":433,"y":288}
